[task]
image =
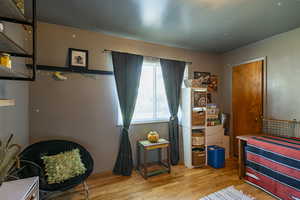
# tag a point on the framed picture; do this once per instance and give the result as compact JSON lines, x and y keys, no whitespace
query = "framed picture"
{"x":213,"y":83}
{"x":203,"y":77}
{"x":78,"y":58}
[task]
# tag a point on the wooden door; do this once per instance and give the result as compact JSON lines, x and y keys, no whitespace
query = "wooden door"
{"x":247,"y":100}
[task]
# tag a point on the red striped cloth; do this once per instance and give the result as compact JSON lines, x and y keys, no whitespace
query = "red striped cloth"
{"x":273,"y":163}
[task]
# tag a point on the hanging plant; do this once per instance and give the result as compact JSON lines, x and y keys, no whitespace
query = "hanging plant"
{"x":8,"y":157}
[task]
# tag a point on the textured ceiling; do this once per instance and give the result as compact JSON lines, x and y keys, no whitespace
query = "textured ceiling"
{"x":205,"y":25}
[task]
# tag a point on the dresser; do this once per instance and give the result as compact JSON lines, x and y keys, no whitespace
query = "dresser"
{"x":23,"y":189}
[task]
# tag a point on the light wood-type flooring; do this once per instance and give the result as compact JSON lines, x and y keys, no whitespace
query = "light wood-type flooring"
{"x":181,"y":184}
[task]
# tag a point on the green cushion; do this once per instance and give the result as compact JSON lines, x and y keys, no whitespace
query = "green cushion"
{"x":63,"y":166}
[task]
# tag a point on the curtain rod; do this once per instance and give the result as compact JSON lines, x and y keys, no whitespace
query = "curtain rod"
{"x":108,"y":50}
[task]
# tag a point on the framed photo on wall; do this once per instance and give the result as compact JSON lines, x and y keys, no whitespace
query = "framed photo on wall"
{"x":78,"y":58}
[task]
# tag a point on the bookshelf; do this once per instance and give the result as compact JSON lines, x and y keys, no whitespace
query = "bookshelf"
{"x":194,"y":124}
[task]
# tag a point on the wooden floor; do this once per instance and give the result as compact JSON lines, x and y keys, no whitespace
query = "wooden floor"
{"x":182,"y":183}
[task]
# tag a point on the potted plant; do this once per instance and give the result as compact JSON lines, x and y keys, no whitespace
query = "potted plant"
{"x":8,"y":157}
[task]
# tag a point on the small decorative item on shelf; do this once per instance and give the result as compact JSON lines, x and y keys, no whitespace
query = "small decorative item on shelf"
{"x":5,"y":60}
{"x":58,"y":76}
{"x":213,"y":115}
{"x":153,"y":136}
{"x":8,"y":157}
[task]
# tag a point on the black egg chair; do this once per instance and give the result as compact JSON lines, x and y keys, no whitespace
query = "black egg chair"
{"x":32,"y":165}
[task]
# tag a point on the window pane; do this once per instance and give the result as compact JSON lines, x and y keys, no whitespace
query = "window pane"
{"x":162,"y":103}
{"x":151,"y":102}
{"x":145,"y":100}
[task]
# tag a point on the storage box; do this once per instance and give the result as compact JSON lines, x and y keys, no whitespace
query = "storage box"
{"x":216,"y":156}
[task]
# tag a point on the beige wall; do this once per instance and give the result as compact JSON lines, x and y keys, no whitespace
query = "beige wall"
{"x":283,"y":72}
{"x":84,"y":109}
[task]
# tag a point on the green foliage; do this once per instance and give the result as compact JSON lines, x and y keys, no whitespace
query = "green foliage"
{"x":63,"y":166}
{"x":8,"y":157}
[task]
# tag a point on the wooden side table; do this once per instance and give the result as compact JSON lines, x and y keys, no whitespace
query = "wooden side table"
{"x":165,"y":165}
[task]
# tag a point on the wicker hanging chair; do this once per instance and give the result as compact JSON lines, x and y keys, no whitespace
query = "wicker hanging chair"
{"x":32,"y":165}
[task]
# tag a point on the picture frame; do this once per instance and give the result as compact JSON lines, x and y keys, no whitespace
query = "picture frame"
{"x":203,"y":77}
{"x":213,"y":83}
{"x":78,"y":58}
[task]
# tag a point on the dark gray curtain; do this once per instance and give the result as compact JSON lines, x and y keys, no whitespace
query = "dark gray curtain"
{"x":173,"y":74}
{"x":127,"y":70}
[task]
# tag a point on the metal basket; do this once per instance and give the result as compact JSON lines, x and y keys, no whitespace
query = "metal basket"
{"x":281,"y":127}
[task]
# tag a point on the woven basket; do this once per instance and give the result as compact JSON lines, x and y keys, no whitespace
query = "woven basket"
{"x":198,"y":158}
{"x":198,"y":118}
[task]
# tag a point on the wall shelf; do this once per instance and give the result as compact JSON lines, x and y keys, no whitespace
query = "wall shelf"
{"x":7,"y":102}
{"x":72,"y":70}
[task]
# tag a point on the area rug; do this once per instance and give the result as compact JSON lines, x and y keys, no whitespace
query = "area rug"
{"x":229,"y":193}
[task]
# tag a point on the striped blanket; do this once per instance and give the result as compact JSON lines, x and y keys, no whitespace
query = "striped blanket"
{"x":273,"y":163}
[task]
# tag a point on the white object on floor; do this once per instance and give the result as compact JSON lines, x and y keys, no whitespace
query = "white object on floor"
{"x":229,"y":193}
{"x":22,"y":189}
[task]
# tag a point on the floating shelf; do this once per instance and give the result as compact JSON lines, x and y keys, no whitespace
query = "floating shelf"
{"x":10,"y":10}
{"x":7,"y":102}
{"x":72,"y":70}
{"x":6,"y":72}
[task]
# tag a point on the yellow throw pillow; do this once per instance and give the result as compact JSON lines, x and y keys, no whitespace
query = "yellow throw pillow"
{"x":63,"y":166}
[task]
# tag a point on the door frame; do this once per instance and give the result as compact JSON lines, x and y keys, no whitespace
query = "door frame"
{"x":264,"y":59}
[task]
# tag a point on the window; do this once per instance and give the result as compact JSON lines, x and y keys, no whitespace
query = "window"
{"x":152,"y":104}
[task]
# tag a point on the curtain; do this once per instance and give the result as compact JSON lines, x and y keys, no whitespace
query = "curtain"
{"x":127,"y":71}
{"x":173,"y":72}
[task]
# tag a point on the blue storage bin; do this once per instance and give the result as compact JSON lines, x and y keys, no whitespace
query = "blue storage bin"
{"x":216,"y":156}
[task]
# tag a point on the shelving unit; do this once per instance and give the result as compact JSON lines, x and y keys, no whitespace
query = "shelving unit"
{"x":194,"y":126}
{"x":9,"y":12}
{"x":6,"y":72}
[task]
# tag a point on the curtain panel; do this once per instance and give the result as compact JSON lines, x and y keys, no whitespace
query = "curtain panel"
{"x":127,"y":71}
{"x":173,"y":72}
